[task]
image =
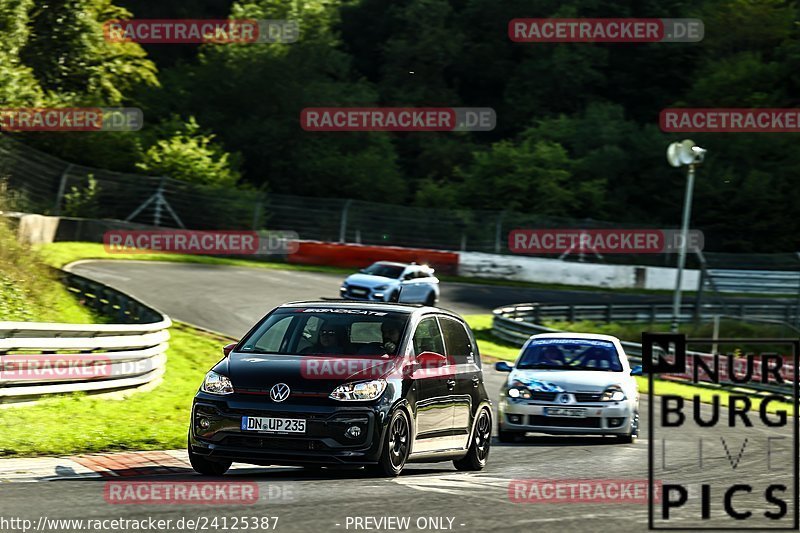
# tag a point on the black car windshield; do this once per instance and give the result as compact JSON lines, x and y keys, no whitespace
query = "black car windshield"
{"x":328,"y":331}
{"x":384,"y":270}
{"x":571,"y":354}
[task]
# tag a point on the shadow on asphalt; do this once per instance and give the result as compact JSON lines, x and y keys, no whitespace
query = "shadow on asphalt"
{"x":557,"y":440}
{"x":282,"y":473}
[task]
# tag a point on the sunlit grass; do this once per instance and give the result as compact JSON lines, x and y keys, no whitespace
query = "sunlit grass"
{"x":154,"y":420}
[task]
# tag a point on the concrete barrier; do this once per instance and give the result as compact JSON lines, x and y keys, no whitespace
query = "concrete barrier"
{"x":541,"y":270}
{"x":359,"y":256}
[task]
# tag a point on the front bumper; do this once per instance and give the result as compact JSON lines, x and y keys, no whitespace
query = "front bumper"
{"x":602,"y":418}
{"x":364,"y":294}
{"x":324,"y":441}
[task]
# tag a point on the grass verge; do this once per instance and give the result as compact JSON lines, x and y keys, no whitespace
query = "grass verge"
{"x":59,"y":254}
{"x":29,"y":290}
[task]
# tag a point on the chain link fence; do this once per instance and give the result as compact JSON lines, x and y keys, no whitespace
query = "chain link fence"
{"x":41,"y":183}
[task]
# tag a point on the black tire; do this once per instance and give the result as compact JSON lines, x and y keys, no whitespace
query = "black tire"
{"x":207,"y":467}
{"x":396,"y":446}
{"x":395,"y":296}
{"x":431,"y":299}
{"x":478,"y":453}
{"x":633,"y":435}
{"x":507,"y":436}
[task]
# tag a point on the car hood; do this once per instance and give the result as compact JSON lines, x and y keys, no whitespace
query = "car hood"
{"x":368,"y":280}
{"x":311,"y":373}
{"x":566,"y":380}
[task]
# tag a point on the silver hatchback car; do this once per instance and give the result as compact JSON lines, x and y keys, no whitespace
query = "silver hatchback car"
{"x":570,"y":383}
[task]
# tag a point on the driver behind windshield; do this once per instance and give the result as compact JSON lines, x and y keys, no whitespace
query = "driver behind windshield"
{"x":551,"y":355}
{"x":331,"y":339}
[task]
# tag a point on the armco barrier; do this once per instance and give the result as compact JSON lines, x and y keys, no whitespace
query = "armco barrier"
{"x":516,"y":323}
{"x":34,"y":357}
{"x":358,"y":256}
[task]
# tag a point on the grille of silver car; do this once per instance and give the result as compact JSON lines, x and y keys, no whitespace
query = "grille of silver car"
{"x":364,"y":291}
{"x":588,"y":396}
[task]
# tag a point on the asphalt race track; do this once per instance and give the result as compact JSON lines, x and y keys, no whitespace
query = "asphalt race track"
{"x":230,"y":299}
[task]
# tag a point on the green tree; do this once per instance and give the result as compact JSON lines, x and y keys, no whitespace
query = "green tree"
{"x":18,"y":84}
{"x":253,"y":96}
{"x":529,"y":176}
{"x":189,"y":155}
{"x":71,"y":58}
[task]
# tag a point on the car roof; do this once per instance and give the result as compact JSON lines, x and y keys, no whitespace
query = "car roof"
{"x":393,"y":263}
{"x":566,"y":335}
{"x":373,"y":306}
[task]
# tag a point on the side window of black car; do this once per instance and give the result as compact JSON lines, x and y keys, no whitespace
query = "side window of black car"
{"x":428,"y":337}
{"x":457,"y":342}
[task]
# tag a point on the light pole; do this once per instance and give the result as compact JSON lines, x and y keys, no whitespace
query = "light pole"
{"x":685,"y":153}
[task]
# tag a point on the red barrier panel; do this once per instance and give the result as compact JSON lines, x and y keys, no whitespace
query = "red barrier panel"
{"x":359,"y":256}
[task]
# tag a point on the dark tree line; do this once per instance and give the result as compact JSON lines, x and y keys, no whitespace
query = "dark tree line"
{"x":577,"y":132}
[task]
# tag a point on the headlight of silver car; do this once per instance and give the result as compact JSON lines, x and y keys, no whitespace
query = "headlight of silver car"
{"x":381,"y":287}
{"x":217,"y":384}
{"x":613,"y":394}
{"x":359,"y":390}
{"x":517,"y":389}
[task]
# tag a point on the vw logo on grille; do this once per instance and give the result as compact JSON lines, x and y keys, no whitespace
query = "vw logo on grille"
{"x":563,"y":398}
{"x":279,"y":392}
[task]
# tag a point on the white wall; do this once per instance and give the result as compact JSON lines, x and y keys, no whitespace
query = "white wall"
{"x":34,"y":229}
{"x":540,"y":270}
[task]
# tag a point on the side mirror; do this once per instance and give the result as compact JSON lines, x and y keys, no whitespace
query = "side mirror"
{"x":228,"y":348}
{"x":502,"y":366}
{"x":431,"y":360}
{"x":636,"y":371}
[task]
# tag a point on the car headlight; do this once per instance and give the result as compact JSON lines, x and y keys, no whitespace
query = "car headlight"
{"x":217,"y":384}
{"x":613,"y":394}
{"x":359,"y":391}
{"x":381,"y":287}
{"x":517,"y":389}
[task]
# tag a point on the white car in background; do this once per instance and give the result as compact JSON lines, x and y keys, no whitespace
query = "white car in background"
{"x":570,"y":384}
{"x":387,"y":281}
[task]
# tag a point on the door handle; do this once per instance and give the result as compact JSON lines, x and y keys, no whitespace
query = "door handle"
{"x":451,"y":384}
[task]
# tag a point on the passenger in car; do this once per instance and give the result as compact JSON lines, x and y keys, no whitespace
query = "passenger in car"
{"x":391,"y":332}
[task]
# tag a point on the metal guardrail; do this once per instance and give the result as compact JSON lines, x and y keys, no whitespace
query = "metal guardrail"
{"x":753,"y":281}
{"x":39,"y":359}
{"x":515,"y":324}
{"x":655,"y":312}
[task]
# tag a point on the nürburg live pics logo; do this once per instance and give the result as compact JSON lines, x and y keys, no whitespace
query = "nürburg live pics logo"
{"x":723,"y":433}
